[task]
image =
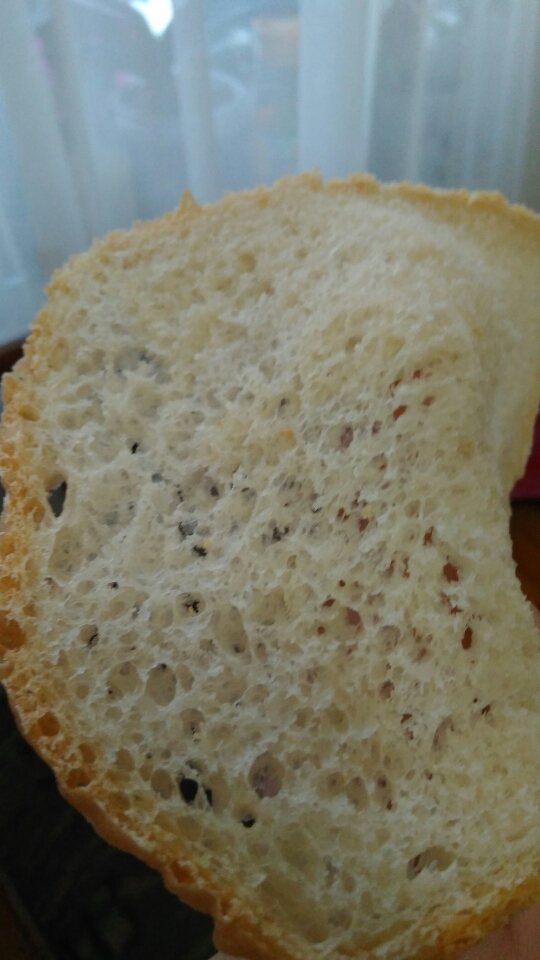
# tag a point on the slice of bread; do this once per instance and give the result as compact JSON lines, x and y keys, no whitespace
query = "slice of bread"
{"x":272,"y":640}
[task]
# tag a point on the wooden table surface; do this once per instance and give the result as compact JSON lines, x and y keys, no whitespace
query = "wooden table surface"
{"x":15,"y":944}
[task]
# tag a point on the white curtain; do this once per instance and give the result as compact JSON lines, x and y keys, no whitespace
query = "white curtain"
{"x":109,"y":108}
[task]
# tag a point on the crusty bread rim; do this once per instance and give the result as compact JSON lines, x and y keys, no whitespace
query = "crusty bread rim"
{"x":239,"y":929}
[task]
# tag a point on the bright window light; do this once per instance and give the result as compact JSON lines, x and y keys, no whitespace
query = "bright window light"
{"x":157,"y":13}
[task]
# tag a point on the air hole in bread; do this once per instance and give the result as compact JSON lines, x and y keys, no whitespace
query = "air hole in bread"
{"x":123,"y":679}
{"x":88,"y":752}
{"x":389,"y":637}
{"x":78,"y":778}
{"x":383,"y":792}
{"x":440,"y":737}
{"x":331,"y":784}
{"x":162,"y":616}
{"x":56,"y":497}
{"x":357,"y":794}
{"x":337,"y":717}
{"x":228,"y":627}
{"x":189,"y":789}
{"x":67,"y":554}
{"x":187,"y":528}
{"x":124,"y":761}
{"x":340,"y":919}
{"x":162,"y":784}
{"x":246,"y":262}
{"x":48,"y":725}
{"x":230,"y":688}
{"x":89,"y":635}
{"x":435,"y":857}
{"x":192,"y":721}
{"x":185,"y":677}
{"x":266,"y":775}
{"x":161,"y":684}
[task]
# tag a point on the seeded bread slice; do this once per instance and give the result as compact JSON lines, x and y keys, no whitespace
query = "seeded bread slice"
{"x":259,"y":608}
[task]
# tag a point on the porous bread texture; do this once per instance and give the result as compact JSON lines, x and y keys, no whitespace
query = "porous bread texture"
{"x":273,"y":642}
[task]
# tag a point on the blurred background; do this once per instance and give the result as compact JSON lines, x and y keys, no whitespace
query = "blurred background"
{"x":110,"y":108}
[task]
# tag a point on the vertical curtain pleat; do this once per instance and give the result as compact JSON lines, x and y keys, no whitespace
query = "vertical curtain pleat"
{"x":17,"y":292}
{"x":99,"y":175}
{"x":71,"y":105}
{"x":473,"y":88}
{"x":510,"y":128}
{"x":195,"y":97}
{"x":45,"y":170}
{"x":338,"y":51}
{"x":530,"y":187}
{"x":412,"y":147}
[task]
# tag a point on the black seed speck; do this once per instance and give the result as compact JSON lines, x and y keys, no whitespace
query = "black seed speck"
{"x":214,"y":491}
{"x":114,"y":584}
{"x":200,"y":551}
{"x":134,"y":447}
{"x":188,"y":789}
{"x":209,"y":796}
{"x":91,"y":642}
{"x":156,"y":477}
{"x":248,"y":821}
{"x":278,"y":534}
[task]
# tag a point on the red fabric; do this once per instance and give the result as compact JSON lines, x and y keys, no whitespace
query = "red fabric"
{"x":528,"y":488}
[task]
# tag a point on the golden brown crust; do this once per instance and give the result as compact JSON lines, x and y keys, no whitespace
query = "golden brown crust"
{"x":469,"y":928}
{"x":240,"y":930}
